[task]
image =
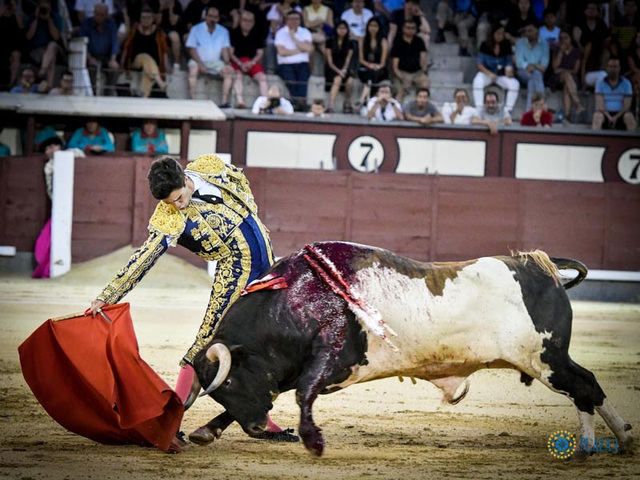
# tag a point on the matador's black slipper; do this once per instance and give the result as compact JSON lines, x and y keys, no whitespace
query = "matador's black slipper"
{"x":283,"y":436}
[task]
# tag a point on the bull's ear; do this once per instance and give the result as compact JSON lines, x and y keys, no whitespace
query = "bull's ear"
{"x":238,"y":351}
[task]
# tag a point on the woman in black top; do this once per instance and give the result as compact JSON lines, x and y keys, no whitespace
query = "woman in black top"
{"x":338,"y":53}
{"x":373,"y":50}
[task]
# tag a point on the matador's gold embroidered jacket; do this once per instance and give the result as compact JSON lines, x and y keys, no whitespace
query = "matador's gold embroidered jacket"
{"x":200,"y":227}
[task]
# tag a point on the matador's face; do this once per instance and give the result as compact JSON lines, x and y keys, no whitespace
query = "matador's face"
{"x":180,"y":197}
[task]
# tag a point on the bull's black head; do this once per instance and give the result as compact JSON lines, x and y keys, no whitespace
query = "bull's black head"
{"x":245,"y":391}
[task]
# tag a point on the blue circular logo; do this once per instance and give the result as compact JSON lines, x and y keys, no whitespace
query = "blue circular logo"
{"x":561,"y":444}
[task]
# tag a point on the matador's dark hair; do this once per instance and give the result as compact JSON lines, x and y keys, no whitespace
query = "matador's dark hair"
{"x":165,"y":176}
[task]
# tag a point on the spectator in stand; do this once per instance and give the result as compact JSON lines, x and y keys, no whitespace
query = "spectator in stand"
{"x":624,"y":28}
{"x":490,"y":13}
{"x":86,"y":8}
{"x":373,"y":50}
{"x":538,"y":116}
{"x":294,"y":44}
{"x":246,"y":53}
{"x":422,"y":110}
{"x":519,"y":19}
{"x":146,"y":49}
{"x":66,"y":84}
{"x":102,"y":50}
{"x":566,"y":68}
{"x":195,"y":12}
{"x":634,"y":66}
{"x":383,"y":107}
{"x":495,"y":67}
{"x":550,"y":32}
{"x":382,"y":10}
{"x":409,"y":60}
{"x":338,"y":55}
{"x":209,"y":45}
{"x":149,"y":139}
{"x":532,"y":59}
{"x":277,"y":14}
{"x":92,"y":139}
{"x":490,"y":114}
{"x":317,"y":109}
{"x":12,"y":28}
{"x":357,"y":17}
{"x":169,"y":18}
{"x":229,"y":12}
{"x":613,"y":101}
{"x":27,"y":82}
{"x":257,"y":7}
{"x":593,"y":35}
{"x":272,"y":104}
{"x":412,"y":11}
{"x":318,"y":19}
{"x":461,"y":14}
{"x":43,"y":35}
{"x":5,"y":151}
{"x":459,"y":112}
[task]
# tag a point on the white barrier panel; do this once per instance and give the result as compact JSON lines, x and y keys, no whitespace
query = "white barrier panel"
{"x":61,"y":213}
{"x":290,"y":150}
{"x":559,"y":162}
{"x":445,"y":157}
{"x":202,"y":142}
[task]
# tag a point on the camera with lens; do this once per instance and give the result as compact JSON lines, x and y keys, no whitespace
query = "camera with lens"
{"x":274,"y":103}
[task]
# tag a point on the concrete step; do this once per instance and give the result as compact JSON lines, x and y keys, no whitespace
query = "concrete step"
{"x":443,"y":49}
{"x":444,"y":93}
{"x":447,"y":77}
{"x":451,"y":62}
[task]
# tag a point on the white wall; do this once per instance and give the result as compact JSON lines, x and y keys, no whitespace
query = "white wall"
{"x":559,"y":162}
{"x":290,"y":150}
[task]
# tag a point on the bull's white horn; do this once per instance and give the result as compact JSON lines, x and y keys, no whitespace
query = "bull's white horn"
{"x":219,"y":352}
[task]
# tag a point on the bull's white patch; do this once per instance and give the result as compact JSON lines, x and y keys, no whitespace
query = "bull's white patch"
{"x":479,"y":320}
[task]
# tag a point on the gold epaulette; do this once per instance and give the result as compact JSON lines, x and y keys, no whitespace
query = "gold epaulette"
{"x":167,"y":220}
{"x":209,"y":164}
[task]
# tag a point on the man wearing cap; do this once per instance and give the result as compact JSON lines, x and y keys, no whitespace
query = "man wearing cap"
{"x":209,"y":209}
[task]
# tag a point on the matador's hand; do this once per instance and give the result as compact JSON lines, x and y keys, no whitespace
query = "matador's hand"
{"x":96,"y":305}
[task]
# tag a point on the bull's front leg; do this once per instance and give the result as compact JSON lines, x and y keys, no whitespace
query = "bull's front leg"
{"x":212,"y":430}
{"x":310,"y":384}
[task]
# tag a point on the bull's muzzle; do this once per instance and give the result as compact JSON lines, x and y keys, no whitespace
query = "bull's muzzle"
{"x":220,"y":353}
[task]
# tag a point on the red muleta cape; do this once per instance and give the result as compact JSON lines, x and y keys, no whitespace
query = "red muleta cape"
{"x":88,"y":375}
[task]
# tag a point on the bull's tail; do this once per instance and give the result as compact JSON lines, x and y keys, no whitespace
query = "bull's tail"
{"x":569,"y":263}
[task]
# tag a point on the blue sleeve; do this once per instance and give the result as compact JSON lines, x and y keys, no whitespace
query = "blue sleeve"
{"x":105,"y":140}
{"x":162,"y":146}
{"x":544,"y":61}
{"x":76,"y":140}
{"x":600,"y":87}
{"x":137,"y":145}
{"x":520,"y":63}
{"x":114,"y":39}
{"x":627,"y":90}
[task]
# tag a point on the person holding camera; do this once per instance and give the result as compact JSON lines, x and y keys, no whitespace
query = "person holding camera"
{"x":272,"y":104}
{"x":43,"y":34}
{"x":383,"y":107}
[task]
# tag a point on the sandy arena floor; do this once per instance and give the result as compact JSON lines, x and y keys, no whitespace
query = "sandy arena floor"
{"x":384,"y":429}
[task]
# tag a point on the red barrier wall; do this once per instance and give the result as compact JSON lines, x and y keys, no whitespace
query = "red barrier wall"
{"x":423,"y":217}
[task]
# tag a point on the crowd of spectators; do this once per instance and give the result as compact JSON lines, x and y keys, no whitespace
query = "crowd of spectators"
{"x":535,"y":45}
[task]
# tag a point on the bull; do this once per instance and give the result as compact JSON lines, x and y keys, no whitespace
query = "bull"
{"x":352,"y":313}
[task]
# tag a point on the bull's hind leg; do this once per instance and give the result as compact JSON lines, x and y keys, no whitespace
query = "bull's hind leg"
{"x":580,"y":385}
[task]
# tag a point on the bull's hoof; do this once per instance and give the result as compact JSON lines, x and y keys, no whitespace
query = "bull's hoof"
{"x":282,"y":436}
{"x":313,"y":441}
{"x":580,"y":455}
{"x":203,"y":436}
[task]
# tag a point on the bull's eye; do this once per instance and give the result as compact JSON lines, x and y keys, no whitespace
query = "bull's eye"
{"x":227,"y":382}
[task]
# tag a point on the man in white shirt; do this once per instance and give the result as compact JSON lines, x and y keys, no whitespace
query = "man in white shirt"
{"x":383,"y":107}
{"x":208,"y":45}
{"x":459,"y":112}
{"x":85,"y":8}
{"x":357,"y":17}
{"x":293,"y":44}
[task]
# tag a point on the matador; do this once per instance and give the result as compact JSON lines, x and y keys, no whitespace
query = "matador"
{"x":209,"y":209}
